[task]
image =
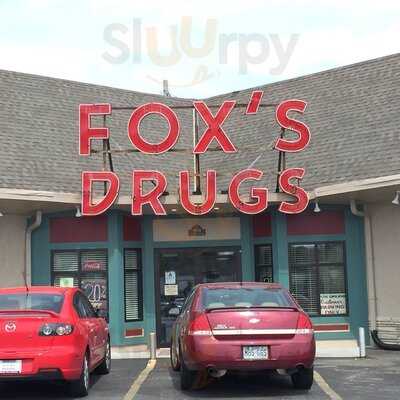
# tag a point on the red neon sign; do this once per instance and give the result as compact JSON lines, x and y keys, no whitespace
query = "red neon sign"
{"x":88,"y":178}
{"x":134,"y":123}
{"x":152,"y":197}
{"x":148,"y":186}
{"x":86,"y":132}
{"x":258,"y":196}
{"x":211,"y":193}
{"x":288,"y":123}
{"x":294,"y":190}
{"x":214,"y":129}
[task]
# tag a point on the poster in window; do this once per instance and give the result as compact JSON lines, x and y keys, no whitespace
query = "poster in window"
{"x":66,"y":281}
{"x":96,"y":290}
{"x":170,"y":277}
{"x":333,"y":303}
{"x":93,"y":266}
{"x":170,"y":290}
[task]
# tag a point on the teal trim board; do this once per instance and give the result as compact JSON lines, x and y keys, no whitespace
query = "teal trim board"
{"x":246,"y":235}
{"x":40,"y":253}
{"x":356,"y":273}
{"x":196,"y":243}
{"x":149,"y":307}
{"x":280,"y":256}
{"x":115,"y":278}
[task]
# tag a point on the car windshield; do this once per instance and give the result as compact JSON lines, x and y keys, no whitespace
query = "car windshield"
{"x":246,"y":297}
{"x":31,"y":301}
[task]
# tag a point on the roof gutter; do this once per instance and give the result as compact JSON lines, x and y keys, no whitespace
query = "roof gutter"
{"x":354,"y":210}
{"x":28,"y":246}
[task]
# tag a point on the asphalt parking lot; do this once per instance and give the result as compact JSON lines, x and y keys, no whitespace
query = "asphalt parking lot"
{"x":376,"y":377}
{"x":107,"y":387}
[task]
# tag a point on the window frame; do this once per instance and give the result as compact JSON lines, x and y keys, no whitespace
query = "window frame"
{"x":90,"y":311}
{"x":78,"y":274}
{"x":140,"y":284}
{"x":315,"y":267}
{"x":76,"y":300}
{"x":257,"y":265}
{"x":189,"y":300}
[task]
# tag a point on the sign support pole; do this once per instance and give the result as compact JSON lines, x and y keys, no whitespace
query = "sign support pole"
{"x":281,"y":163}
{"x":196,"y":157}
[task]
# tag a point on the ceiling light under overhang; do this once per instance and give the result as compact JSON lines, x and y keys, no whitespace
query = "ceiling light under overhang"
{"x":396,"y":199}
{"x":78,"y":213}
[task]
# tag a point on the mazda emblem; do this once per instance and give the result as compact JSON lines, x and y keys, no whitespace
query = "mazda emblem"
{"x":10,"y":327}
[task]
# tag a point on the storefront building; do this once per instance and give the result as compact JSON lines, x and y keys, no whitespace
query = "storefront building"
{"x":336,"y":256}
{"x":127,"y":262}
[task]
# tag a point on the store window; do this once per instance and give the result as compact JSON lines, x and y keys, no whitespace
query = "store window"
{"x":263,"y":257}
{"x":318,"y":277}
{"x":86,"y":269}
{"x":133,"y":285}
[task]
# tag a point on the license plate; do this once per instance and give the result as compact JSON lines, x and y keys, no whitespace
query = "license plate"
{"x":10,"y":366}
{"x":255,"y":352}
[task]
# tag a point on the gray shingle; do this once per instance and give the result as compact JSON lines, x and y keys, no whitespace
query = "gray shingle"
{"x":353,"y":113}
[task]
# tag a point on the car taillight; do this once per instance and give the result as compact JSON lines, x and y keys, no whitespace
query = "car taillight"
{"x":199,"y":326}
{"x":304,"y":324}
{"x":56,"y":330}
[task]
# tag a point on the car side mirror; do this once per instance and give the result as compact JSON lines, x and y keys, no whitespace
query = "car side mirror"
{"x":102,"y":313}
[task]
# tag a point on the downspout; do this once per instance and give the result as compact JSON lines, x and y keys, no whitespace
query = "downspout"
{"x":369,"y":258}
{"x":28,"y":246}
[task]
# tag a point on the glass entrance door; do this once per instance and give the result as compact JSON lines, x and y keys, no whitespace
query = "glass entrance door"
{"x":179,"y":270}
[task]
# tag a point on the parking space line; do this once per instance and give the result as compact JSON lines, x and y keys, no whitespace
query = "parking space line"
{"x":140,"y":380}
{"x":323,"y":384}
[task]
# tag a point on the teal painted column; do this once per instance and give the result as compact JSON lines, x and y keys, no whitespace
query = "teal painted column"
{"x":247,"y":248}
{"x":149,"y":308}
{"x":40,"y":254}
{"x":115,"y":278}
{"x":280,"y":248}
{"x":356,"y":273}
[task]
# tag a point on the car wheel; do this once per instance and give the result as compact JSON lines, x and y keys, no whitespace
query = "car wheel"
{"x":80,"y":387}
{"x":188,"y":377}
{"x":105,"y":367}
{"x":303,"y":378}
{"x":174,"y":358}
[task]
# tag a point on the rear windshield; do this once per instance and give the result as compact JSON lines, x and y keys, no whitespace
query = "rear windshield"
{"x":245,"y":297}
{"x":31,"y":301}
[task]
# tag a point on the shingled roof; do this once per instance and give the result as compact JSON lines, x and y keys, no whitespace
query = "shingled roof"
{"x":353,"y":113}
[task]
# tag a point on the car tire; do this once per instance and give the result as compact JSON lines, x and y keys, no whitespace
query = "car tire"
{"x":174,"y":357}
{"x":80,"y":387}
{"x":303,"y":378}
{"x":105,"y":367}
{"x":188,"y":377}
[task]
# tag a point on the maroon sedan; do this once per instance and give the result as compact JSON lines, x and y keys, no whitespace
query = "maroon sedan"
{"x":242,"y":326}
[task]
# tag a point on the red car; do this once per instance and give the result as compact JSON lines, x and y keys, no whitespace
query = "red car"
{"x":242,"y":326}
{"x":52,"y":333}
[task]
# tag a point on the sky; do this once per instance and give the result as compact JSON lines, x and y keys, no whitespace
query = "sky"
{"x":202,"y":48}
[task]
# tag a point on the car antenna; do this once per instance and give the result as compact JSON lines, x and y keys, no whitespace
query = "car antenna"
{"x":26,"y":287}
